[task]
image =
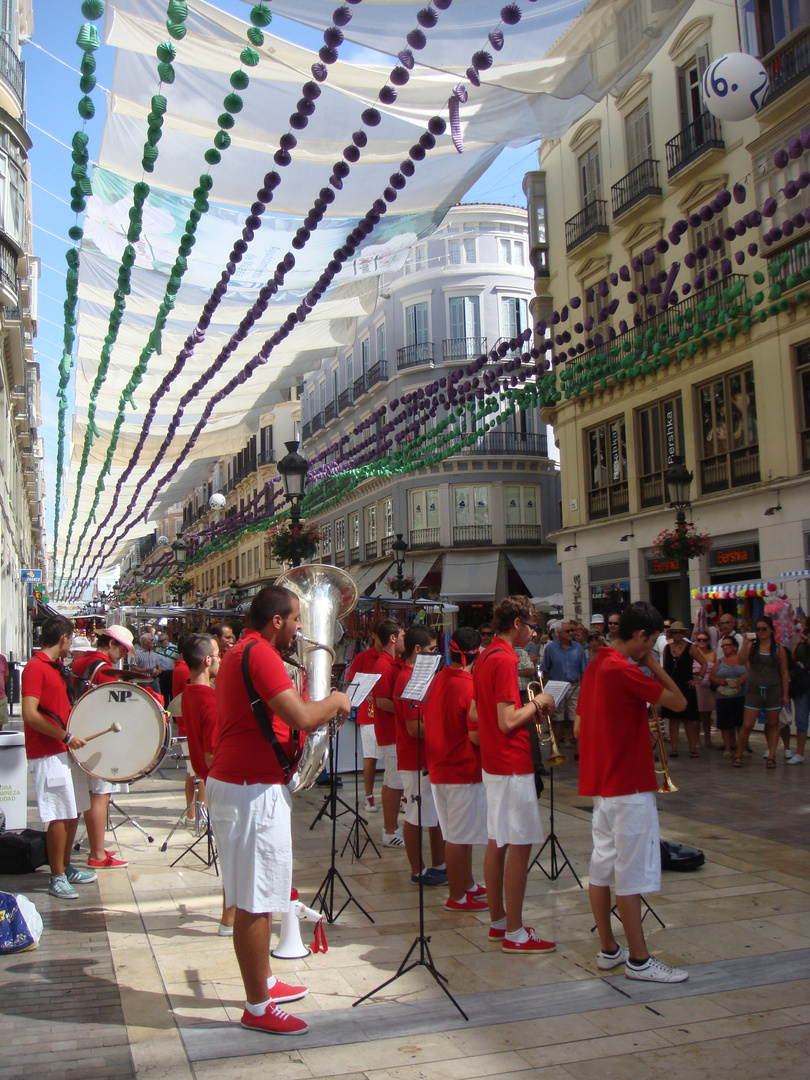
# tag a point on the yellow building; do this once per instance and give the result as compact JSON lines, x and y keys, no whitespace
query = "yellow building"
{"x":719,"y":374}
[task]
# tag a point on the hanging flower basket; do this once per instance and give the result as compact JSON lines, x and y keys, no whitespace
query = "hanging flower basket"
{"x":683,"y":542}
{"x":408,"y":584}
{"x":178,"y":586}
{"x":288,"y":543}
{"x":135,"y":599}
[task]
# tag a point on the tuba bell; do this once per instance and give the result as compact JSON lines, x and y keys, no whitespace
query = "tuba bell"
{"x":325,"y":594}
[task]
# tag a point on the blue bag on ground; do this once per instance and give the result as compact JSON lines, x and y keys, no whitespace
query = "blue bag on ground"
{"x":20,"y":924}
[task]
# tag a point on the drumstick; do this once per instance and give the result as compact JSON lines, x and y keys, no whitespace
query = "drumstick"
{"x":114,"y":726}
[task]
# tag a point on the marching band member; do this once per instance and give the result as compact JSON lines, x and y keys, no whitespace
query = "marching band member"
{"x":388,"y":666}
{"x":454,"y":763}
{"x":248,"y":801}
{"x":114,"y":643}
{"x":364,"y":664}
{"x":513,"y":816}
{"x":616,"y":768}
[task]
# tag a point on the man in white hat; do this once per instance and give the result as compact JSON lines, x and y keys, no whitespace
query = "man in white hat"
{"x":113,"y":645}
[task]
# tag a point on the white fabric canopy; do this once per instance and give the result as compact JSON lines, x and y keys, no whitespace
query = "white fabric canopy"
{"x":540,"y":572}
{"x":470,"y":575}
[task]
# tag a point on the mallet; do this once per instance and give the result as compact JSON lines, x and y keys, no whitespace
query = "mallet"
{"x":114,"y":726}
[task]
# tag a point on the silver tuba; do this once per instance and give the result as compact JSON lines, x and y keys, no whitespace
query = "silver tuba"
{"x":325,"y":594}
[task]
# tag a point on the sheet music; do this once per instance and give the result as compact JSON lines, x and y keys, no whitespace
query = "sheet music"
{"x":425,"y":667}
{"x":360,"y":687}
{"x":558,"y":689}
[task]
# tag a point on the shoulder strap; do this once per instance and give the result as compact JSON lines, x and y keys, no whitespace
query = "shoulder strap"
{"x":260,"y":712}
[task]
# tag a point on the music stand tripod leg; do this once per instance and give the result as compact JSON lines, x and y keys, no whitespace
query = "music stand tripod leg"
{"x":556,"y":868}
{"x":113,"y":805}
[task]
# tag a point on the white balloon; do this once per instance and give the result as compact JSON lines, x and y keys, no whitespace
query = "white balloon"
{"x":217,"y":501}
{"x":735,"y":86}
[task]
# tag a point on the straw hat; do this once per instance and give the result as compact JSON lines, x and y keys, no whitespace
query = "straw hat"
{"x":678,"y":625}
{"x":121,"y":635}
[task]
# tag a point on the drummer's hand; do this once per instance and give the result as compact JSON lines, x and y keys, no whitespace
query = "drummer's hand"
{"x":341,"y":703}
{"x":75,"y":742}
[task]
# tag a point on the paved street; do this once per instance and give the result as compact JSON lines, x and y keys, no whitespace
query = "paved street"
{"x":132,"y":980}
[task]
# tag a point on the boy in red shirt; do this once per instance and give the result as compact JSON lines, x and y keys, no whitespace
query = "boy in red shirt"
{"x":364,"y":664}
{"x":617,"y":769}
{"x":513,"y":816}
{"x":60,"y":785}
{"x":411,"y":760}
{"x":388,"y":666}
{"x":180,"y":677}
{"x":454,"y":762}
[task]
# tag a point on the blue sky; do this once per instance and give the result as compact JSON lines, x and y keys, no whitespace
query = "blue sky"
{"x":53,"y":92}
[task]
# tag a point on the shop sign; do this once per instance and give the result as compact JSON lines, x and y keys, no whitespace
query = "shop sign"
{"x":731,"y":555}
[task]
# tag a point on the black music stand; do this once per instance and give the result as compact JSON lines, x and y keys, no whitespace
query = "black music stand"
{"x":648,"y":910}
{"x":200,"y":817}
{"x":555,"y":845}
{"x":353,"y":840}
{"x":425,"y":668}
{"x":325,"y":896}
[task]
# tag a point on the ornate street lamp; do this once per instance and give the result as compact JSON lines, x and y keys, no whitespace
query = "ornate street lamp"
{"x":399,"y":548}
{"x":678,"y":481}
{"x":293,"y":468}
{"x":180,"y":552}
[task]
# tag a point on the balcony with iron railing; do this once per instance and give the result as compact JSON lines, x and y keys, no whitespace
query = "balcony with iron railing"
{"x":354,"y":555}
{"x":788,"y":64}
{"x":413,"y":355}
{"x":734,"y":469}
{"x":497,"y":443}
{"x":376,"y":373}
{"x":692,"y":142}
{"x":793,"y":262}
{"x":423,"y":538}
{"x":504,"y":348}
{"x":306,"y":431}
{"x":12,"y":75}
{"x":266,"y":457}
{"x":345,"y":399}
{"x":524,"y":534}
{"x":606,"y":501}
{"x":640,"y":183}
{"x":652,"y":489}
{"x":387,"y":542}
{"x":464,"y":348}
{"x":590,"y":221}
{"x":330,"y":412}
{"x":472,"y":536}
{"x":370,"y":549}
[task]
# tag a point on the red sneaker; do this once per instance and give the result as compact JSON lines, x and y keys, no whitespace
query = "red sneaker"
{"x":469,"y":903}
{"x":282,"y":992}
{"x":274,"y":1021}
{"x":533,"y":944}
{"x":496,"y":935}
{"x":478,"y":893}
{"x":110,"y":863}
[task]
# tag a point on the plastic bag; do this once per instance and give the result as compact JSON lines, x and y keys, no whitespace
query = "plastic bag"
{"x":786,"y":716}
{"x":20,"y":924}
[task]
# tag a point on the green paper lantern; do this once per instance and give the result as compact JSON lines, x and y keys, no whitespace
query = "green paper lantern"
{"x":225,"y":121}
{"x":92,"y":9}
{"x":75,"y":232}
{"x":85,"y":186}
{"x":255,"y":36}
{"x":261,"y":15}
{"x":88,"y":64}
{"x":176,"y":29}
{"x":791,"y":281}
{"x":150,"y":154}
{"x":87,"y":109}
{"x":775,"y":291}
{"x":233,"y":103}
{"x":140,"y":192}
{"x":177,"y":9}
{"x":166,"y":73}
{"x":805,"y":272}
{"x":759,"y":277}
{"x":239,"y":80}
{"x":212,"y":156}
{"x":88,"y":38}
{"x":784,"y":304}
{"x":206,"y":182}
{"x":762,"y":316}
{"x":801,"y":297}
{"x":87,"y":83}
{"x":222,"y":140}
{"x":166,"y":52}
{"x":79,"y":141}
{"x":78,"y":171}
{"x":201,"y":205}
{"x":159,"y":104}
{"x":153,"y":136}
{"x":249,"y":57}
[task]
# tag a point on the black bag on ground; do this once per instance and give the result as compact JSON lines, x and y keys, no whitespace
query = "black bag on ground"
{"x":680,"y":856}
{"x":22,"y":852}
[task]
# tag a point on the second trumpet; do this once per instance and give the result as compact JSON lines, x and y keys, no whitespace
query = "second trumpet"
{"x":554,"y":758}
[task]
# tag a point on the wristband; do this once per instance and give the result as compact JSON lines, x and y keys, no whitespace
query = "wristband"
{"x":67,"y":737}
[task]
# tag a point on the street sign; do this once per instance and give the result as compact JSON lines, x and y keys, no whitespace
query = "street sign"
{"x":31,"y":575}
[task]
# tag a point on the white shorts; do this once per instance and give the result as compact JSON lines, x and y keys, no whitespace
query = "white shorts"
{"x":190,"y":767}
{"x":513,"y":816}
{"x":626,"y":849}
{"x":410,"y":786}
{"x":462,"y":812}
{"x":251,"y":824}
{"x":391,"y":778}
{"x":369,"y":741}
{"x":61,"y":788}
{"x":104,"y":787}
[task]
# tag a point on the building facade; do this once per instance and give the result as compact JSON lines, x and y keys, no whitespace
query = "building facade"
{"x":693,"y":335}
{"x":477,"y":523}
{"x":22,"y":490}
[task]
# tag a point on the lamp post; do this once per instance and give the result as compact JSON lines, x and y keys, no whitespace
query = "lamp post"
{"x":399,"y":548}
{"x":293,"y":468}
{"x":180,"y":552}
{"x":234,"y":587}
{"x":679,"y":479}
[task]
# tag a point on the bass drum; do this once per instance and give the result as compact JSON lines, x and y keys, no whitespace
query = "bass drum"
{"x":126,"y":755}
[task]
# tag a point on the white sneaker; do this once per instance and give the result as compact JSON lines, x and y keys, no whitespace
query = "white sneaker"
{"x":368,"y":805}
{"x":609,"y":961}
{"x":795,"y":759}
{"x":655,"y":970}
{"x":393,"y":839}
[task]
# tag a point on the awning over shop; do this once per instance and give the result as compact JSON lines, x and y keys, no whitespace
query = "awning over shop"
{"x":415,"y":566}
{"x":470,"y":575}
{"x":738,"y":590}
{"x":794,"y":575}
{"x":540,"y":572}
{"x":366,"y":576}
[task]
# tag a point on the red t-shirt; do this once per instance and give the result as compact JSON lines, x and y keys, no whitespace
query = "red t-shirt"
{"x":615,"y":751}
{"x":200,"y":716}
{"x":410,"y":756}
{"x":41,"y":680}
{"x":363,"y":664}
{"x":385,"y":727}
{"x":451,"y":757}
{"x":83,"y":663}
{"x":495,"y":680}
{"x":242,"y":755}
{"x":180,"y":677}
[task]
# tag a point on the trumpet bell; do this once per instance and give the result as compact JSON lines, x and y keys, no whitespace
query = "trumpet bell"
{"x":553,"y":760}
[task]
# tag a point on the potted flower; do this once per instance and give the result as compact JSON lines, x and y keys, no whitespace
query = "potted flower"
{"x":682,"y":543}
{"x":288,"y":542}
{"x":407,"y":583}
{"x":178,"y":587}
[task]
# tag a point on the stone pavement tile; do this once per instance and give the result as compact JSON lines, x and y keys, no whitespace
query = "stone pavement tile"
{"x":283,"y":1067}
{"x":519,"y":1036}
{"x":424,"y":1049}
{"x":619,"y":1056}
{"x":665,"y":1014}
{"x":776,"y":996}
{"x":494,"y":1064}
{"x":728,"y":1027}
{"x":746,"y":1057}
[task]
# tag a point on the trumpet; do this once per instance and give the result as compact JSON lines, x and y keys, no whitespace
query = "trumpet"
{"x":555,"y":758}
{"x":668,"y":785}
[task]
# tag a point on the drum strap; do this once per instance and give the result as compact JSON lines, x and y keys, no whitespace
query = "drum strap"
{"x":262,"y":719}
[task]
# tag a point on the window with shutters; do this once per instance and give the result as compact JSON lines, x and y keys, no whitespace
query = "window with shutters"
{"x":638,"y":136}
{"x":660,"y":438}
{"x":729,"y":447}
{"x":381,"y":343}
{"x":606,"y":479}
{"x":416,"y":324}
{"x":514,"y":316}
{"x":465,"y":328}
{"x":590,"y":176}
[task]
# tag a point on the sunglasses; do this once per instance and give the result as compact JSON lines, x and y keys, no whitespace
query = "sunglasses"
{"x":533,"y":627}
{"x":678,"y":631}
{"x":486,"y":633}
